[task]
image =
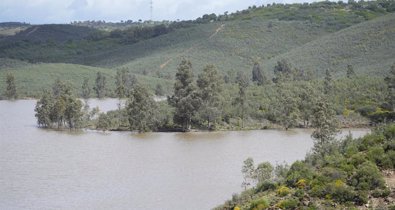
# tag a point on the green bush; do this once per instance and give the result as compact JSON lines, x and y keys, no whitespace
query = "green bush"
{"x":377,"y":193}
{"x":391,"y":156}
{"x":288,"y":204}
{"x":367,"y":177}
{"x":358,"y":159}
{"x":259,"y":204}
{"x":340,"y":192}
{"x":376,"y":155}
{"x":283,"y":191}
{"x":299,"y":170}
{"x":266,"y":185}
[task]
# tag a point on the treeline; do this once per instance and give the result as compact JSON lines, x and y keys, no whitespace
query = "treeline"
{"x":213,"y":101}
{"x":59,"y":108}
{"x":324,"y":12}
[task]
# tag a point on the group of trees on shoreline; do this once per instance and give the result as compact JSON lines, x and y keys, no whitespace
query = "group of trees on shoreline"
{"x":211,"y":102}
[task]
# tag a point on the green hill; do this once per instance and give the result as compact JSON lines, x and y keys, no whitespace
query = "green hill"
{"x":58,"y":33}
{"x":312,"y":37}
{"x":33,"y":78}
{"x":368,"y":46}
{"x":232,"y":45}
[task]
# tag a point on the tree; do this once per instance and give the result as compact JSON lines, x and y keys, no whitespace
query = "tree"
{"x":120,"y":83}
{"x":264,"y":172}
{"x":328,"y":86}
{"x":73,"y":114}
{"x":241,"y":100}
{"x":307,"y":95}
{"x":390,"y":80}
{"x":60,"y":88}
{"x":326,"y":127}
{"x":104,"y":122}
{"x":141,"y":110}
{"x":43,"y":110}
{"x":248,"y":170}
{"x":159,"y":90}
{"x":10,"y":92}
{"x":350,"y":71}
{"x":257,"y":75}
{"x":185,"y":100}
{"x":86,"y":91}
{"x":210,"y":88}
{"x":286,"y":106}
{"x":282,"y":72}
{"x":100,"y":85}
{"x":59,"y":108}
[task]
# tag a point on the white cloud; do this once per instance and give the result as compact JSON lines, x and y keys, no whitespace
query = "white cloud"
{"x":64,"y":11}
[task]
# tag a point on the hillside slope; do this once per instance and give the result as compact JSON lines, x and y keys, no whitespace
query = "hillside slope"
{"x":232,"y":45}
{"x":368,"y":46}
{"x":31,"y":79}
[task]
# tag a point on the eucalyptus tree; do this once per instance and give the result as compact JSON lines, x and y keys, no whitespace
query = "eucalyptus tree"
{"x":328,"y":83}
{"x":185,"y":100}
{"x":100,"y":85}
{"x":326,"y":125}
{"x":141,"y":110}
{"x":10,"y":91}
{"x":86,"y":90}
{"x":210,"y":84}
{"x":241,"y":99}
{"x":121,"y":83}
{"x":257,"y":75}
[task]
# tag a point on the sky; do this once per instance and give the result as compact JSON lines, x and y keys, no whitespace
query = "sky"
{"x":66,"y":11}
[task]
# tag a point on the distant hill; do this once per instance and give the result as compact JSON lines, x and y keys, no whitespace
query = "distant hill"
{"x":52,"y":33}
{"x":11,"y":28}
{"x":369,"y":47}
{"x":316,"y":36}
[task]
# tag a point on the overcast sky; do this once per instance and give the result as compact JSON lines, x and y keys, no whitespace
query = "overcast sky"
{"x":65,"y":11}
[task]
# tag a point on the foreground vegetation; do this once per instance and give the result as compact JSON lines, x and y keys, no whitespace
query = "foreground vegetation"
{"x":350,"y":174}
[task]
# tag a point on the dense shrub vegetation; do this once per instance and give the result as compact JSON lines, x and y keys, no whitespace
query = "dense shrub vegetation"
{"x":350,"y":175}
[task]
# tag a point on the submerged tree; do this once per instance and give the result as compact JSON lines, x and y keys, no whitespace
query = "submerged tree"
{"x":43,"y":110}
{"x":141,"y":110}
{"x":185,"y":100}
{"x":100,"y":85}
{"x":121,"y":83}
{"x":86,"y":90}
{"x":326,"y":127}
{"x":59,"y":108}
{"x":10,"y":91}
{"x":210,"y":88}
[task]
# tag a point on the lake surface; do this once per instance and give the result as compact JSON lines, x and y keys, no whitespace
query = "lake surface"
{"x":41,"y":169}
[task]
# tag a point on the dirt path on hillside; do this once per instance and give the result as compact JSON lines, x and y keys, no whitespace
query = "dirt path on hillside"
{"x":163,"y":65}
{"x":32,"y":31}
{"x":383,"y":203}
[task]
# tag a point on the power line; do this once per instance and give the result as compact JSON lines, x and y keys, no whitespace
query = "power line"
{"x":152,"y":8}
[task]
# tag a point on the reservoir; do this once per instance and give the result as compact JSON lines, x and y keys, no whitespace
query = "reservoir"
{"x":44,"y":169}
